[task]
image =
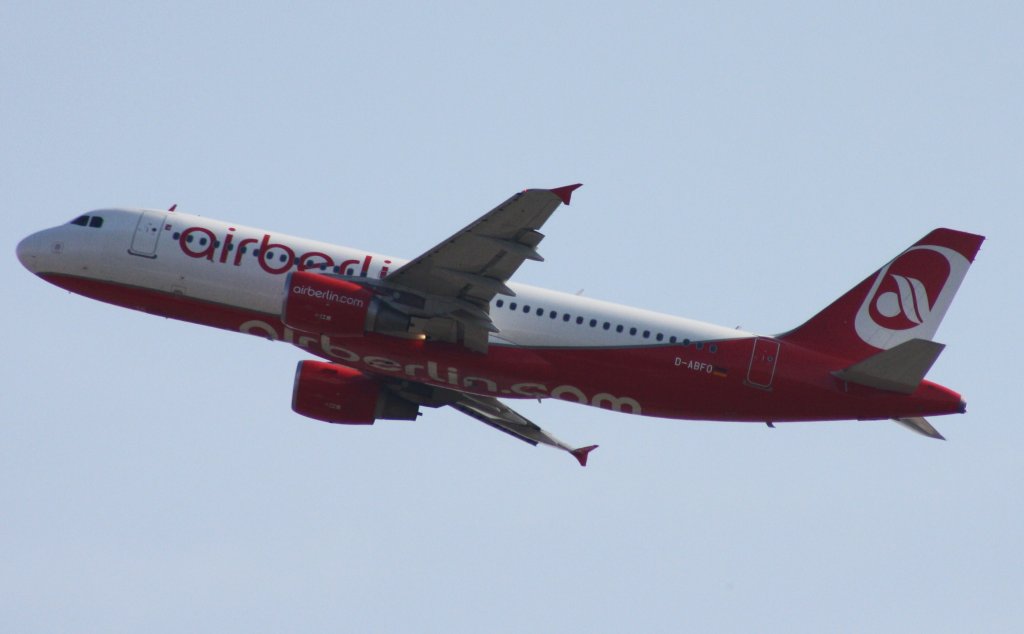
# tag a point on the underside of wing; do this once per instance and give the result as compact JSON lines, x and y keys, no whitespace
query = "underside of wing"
{"x":485,"y":409}
{"x":500,"y":416}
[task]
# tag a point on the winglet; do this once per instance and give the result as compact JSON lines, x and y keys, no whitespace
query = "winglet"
{"x":581,"y":454}
{"x":565,"y":193}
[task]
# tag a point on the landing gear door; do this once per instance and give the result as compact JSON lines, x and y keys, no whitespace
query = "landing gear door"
{"x":762,"y":363}
{"x":151,"y":223}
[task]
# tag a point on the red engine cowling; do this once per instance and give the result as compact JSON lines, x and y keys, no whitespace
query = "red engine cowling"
{"x":325,"y":305}
{"x":338,"y":394}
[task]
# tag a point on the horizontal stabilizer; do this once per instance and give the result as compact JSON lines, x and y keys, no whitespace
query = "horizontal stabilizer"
{"x":899,"y":369}
{"x":921,"y":426}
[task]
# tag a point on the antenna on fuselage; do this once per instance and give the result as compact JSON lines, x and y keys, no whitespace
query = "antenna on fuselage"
{"x":172,"y":207}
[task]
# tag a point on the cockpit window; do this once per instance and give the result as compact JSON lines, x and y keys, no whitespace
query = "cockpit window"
{"x":88,"y":221}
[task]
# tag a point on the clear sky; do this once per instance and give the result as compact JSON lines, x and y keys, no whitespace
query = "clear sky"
{"x":743,"y":163}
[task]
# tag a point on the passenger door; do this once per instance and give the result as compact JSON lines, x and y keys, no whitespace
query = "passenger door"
{"x":147,"y":232}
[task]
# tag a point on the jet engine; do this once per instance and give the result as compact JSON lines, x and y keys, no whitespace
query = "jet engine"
{"x":338,"y":394}
{"x":330,"y":306}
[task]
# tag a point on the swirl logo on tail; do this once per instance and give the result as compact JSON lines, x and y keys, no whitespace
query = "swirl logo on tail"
{"x":911,"y":300}
{"x":910,"y":295}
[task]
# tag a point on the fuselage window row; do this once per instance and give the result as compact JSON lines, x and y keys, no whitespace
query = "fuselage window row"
{"x":619,"y":328}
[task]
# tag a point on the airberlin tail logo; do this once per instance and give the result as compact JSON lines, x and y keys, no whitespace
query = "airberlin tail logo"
{"x":910,"y":300}
{"x":910,"y":295}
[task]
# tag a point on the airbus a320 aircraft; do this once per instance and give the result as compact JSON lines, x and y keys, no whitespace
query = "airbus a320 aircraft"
{"x":448,"y":328}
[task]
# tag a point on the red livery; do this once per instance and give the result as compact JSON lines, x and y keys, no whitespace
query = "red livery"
{"x":450,"y":329}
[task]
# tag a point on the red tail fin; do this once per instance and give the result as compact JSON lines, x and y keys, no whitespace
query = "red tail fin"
{"x":905,"y":299}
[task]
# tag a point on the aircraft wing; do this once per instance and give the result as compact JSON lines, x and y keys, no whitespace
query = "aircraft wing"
{"x":485,"y":409}
{"x":493,"y":412}
{"x":453,"y":283}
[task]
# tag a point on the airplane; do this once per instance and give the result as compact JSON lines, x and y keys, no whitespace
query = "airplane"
{"x":449,"y":328}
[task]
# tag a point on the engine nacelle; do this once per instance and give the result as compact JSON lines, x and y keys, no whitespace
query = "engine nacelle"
{"x":338,"y":394}
{"x":329,"y":306}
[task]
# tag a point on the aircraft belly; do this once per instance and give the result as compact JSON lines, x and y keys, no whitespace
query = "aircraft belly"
{"x":663,"y":381}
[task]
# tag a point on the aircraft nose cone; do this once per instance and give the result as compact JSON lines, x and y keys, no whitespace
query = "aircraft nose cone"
{"x":28,"y":252}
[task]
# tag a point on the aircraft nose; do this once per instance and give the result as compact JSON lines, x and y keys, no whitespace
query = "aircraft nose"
{"x":28,"y":252}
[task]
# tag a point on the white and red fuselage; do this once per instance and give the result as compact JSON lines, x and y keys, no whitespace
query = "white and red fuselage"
{"x":546,"y":345}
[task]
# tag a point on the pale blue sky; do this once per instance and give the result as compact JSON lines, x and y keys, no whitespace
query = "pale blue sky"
{"x":744,"y":163}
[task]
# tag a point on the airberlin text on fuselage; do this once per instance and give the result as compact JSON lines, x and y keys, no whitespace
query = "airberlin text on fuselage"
{"x":330,"y":296}
{"x":214,"y":249}
{"x":432,"y":372}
